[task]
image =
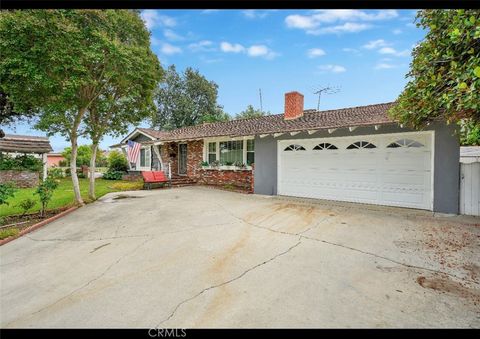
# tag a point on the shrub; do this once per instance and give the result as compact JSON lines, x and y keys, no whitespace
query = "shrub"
{"x":21,"y":162}
{"x":63,"y":163}
{"x":8,"y":233}
{"x":26,"y":205}
{"x":56,"y":173}
{"x":113,"y":175}
{"x":68,"y":172}
{"x":117,"y":162}
{"x":7,"y":190}
{"x":45,"y":191}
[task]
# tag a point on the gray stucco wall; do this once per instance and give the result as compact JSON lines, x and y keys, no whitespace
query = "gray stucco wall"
{"x":446,"y":161}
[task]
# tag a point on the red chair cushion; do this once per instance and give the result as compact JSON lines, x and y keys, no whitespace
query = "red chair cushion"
{"x":153,"y":176}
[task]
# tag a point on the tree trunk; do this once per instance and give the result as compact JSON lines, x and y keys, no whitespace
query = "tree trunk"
{"x":91,"y":188}
{"x":73,"y":169}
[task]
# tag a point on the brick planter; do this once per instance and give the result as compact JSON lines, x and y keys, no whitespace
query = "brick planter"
{"x":242,"y":179}
{"x":22,"y":179}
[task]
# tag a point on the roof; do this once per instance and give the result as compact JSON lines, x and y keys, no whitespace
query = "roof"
{"x":25,"y":144}
{"x":311,"y":120}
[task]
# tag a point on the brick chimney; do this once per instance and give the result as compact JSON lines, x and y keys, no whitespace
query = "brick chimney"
{"x":293,"y":105}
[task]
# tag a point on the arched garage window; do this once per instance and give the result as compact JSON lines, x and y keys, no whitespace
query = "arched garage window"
{"x":361,"y":144}
{"x":324,"y":145}
{"x":295,"y":148}
{"x":405,"y":143}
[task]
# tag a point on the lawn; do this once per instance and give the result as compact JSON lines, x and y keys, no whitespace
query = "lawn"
{"x":63,"y":195}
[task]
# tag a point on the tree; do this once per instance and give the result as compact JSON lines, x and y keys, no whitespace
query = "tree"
{"x":45,"y":192}
{"x":186,"y":99}
{"x":251,"y":112}
{"x":7,"y":114}
{"x":128,"y":98}
{"x":59,"y":62}
{"x":84,"y":154}
{"x":445,"y":71}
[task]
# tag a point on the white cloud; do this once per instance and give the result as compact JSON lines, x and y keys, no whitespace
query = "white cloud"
{"x":315,"y":52}
{"x":152,"y":19}
{"x":393,"y":51}
{"x":348,"y":27}
{"x":261,"y":50}
{"x":351,"y":50}
{"x":397,"y":31}
{"x":210,"y":11}
{"x":252,"y":51}
{"x":374,"y":44}
{"x":253,"y":14}
{"x":332,"y":68}
{"x":170,"y":49}
{"x":171,"y":35}
{"x":312,"y":23}
{"x":202,"y":46}
{"x":231,"y":48}
{"x":384,"y":65}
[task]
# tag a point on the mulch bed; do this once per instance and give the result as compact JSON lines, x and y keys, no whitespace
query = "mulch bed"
{"x":30,"y":222}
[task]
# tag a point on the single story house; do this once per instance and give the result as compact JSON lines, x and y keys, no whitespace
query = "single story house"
{"x":355,"y":154}
{"x":14,"y":145}
{"x":53,"y":159}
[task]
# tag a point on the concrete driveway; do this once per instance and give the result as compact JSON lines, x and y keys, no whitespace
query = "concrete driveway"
{"x":201,"y":257}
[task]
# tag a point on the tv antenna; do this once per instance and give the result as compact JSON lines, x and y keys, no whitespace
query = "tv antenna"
{"x":261,"y":103}
{"x":325,"y":90}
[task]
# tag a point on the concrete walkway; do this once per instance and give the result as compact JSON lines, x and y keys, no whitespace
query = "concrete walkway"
{"x":201,"y":257}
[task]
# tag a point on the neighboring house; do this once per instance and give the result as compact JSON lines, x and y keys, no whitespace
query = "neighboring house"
{"x":15,"y":144}
{"x":355,"y":154}
{"x":53,"y":159}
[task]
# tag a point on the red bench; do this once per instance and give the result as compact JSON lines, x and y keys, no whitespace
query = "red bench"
{"x":154,"y":177}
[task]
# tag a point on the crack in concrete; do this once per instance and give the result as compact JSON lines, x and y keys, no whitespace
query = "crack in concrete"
{"x":84,"y":285}
{"x":172,"y":314}
{"x":134,"y":236}
{"x":348,"y":247}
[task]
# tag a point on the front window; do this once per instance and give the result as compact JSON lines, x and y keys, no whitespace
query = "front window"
{"x":231,"y":152}
{"x":145,"y":157}
{"x":212,"y":152}
{"x":250,"y":152}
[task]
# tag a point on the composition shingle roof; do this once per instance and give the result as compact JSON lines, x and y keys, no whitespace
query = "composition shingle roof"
{"x":24,"y":144}
{"x":311,"y":120}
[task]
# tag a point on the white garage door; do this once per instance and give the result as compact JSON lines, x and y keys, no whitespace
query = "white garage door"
{"x":389,"y":169}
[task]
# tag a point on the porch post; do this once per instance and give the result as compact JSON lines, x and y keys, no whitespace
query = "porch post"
{"x":45,"y":165}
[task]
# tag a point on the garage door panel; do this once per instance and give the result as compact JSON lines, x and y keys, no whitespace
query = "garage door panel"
{"x":399,"y":176}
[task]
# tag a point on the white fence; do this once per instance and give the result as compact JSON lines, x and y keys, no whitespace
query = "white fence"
{"x":470,"y":188}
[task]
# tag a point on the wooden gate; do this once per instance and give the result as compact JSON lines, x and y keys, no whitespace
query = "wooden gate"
{"x":470,"y":188}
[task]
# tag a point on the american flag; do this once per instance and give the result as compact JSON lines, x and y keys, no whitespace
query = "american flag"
{"x":133,"y":151}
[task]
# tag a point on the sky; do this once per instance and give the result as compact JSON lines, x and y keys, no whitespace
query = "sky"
{"x":365,"y":54}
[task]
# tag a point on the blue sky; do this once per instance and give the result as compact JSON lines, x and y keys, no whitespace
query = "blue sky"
{"x":366,"y":53}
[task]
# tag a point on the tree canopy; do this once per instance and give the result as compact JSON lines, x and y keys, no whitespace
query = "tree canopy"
{"x":61,"y":63}
{"x":444,"y":76}
{"x":186,"y":99}
{"x":251,"y":112}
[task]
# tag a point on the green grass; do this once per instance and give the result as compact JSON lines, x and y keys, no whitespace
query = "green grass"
{"x":63,"y":195}
{"x":8,"y":233}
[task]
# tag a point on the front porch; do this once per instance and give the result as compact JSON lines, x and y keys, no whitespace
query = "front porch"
{"x":190,"y":162}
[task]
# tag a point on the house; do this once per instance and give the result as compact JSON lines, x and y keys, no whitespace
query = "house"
{"x":355,"y":154}
{"x":14,"y":144}
{"x":53,"y":159}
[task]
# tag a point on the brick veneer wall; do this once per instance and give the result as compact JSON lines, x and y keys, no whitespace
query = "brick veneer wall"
{"x":242,"y":179}
{"x":22,"y":179}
